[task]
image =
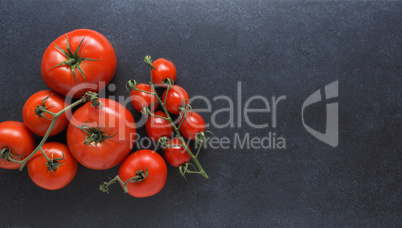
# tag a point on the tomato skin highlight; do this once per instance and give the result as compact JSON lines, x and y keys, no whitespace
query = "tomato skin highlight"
{"x":176,"y":155}
{"x":157,"y":173}
{"x":191,"y":125}
{"x":39,"y":124}
{"x":97,"y":73}
{"x":19,"y":139}
{"x":113,"y":118}
{"x":157,"y":127}
{"x":164,"y":69}
{"x":175,"y":97}
{"x":141,"y":100}
{"x":59,"y":178}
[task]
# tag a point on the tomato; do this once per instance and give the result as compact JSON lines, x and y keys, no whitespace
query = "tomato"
{"x":38,"y":123}
{"x":175,"y":154}
{"x":157,"y":127}
{"x":191,"y":125}
{"x":144,"y":160}
{"x":86,"y":66}
{"x":65,"y":166}
{"x":164,"y":69}
{"x":16,"y":138}
{"x":141,"y":100}
{"x":175,"y":98}
{"x":101,"y":138}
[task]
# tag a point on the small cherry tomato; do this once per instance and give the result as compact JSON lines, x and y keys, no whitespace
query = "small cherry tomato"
{"x":141,"y":100}
{"x":176,"y":97}
{"x":175,"y":153}
{"x":37,"y":120}
{"x":57,"y":172}
{"x":83,"y":60}
{"x":101,"y":138}
{"x":143,"y":161}
{"x":16,"y":142}
{"x":191,"y":124}
{"x":164,"y":70}
{"x":157,"y":127}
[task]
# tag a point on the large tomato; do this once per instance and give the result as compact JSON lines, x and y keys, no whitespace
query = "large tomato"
{"x":38,"y":123}
{"x":100,"y":138}
{"x":144,"y":160}
{"x":16,"y":139}
{"x":58,"y":172}
{"x":82,"y":59}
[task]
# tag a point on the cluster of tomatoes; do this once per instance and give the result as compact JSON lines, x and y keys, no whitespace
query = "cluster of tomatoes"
{"x":144,"y":172}
{"x":100,"y":133}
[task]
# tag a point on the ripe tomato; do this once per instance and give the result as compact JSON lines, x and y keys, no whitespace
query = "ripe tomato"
{"x":16,"y":139}
{"x":52,"y":179}
{"x":144,"y":160}
{"x":38,"y":123}
{"x":176,"y":97}
{"x":175,"y":154}
{"x":157,"y":127}
{"x":164,"y":69}
{"x":191,"y":125}
{"x":82,"y":59}
{"x":141,"y":100}
{"x":101,"y":138}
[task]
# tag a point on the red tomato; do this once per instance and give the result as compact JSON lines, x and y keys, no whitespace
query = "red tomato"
{"x":39,"y":124}
{"x":192,"y":124}
{"x":93,"y":63}
{"x":175,"y":154}
{"x":157,"y":127}
{"x":176,"y":97}
{"x":17,"y":139}
{"x":164,"y":69}
{"x":47,"y":178}
{"x":112,"y":120}
{"x":157,"y":173}
{"x":141,"y":100}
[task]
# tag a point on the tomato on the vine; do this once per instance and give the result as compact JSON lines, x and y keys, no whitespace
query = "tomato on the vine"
{"x":175,"y":98}
{"x":83,"y":60}
{"x":191,"y":124}
{"x":164,"y":69}
{"x":141,"y":99}
{"x":152,"y":166}
{"x":175,"y":153}
{"x":35,"y":116}
{"x":16,"y":142}
{"x":157,"y":127}
{"x":55,"y":173}
{"x":101,"y":137}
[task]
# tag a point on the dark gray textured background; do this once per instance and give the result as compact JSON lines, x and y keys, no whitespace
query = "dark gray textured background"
{"x":274,"y":48}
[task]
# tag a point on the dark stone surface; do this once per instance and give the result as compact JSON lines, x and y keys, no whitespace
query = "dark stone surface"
{"x":273,"y":48}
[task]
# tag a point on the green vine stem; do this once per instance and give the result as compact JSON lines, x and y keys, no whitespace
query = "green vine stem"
{"x":139,"y":176}
{"x":200,"y":171}
{"x":5,"y":154}
{"x":89,"y":96}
